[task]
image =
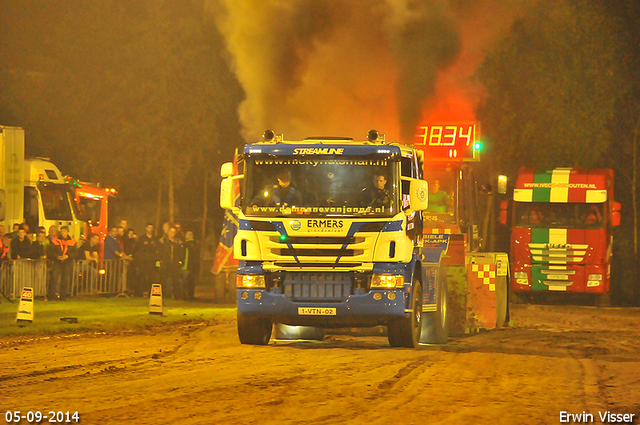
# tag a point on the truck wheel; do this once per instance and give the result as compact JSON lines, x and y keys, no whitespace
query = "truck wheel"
{"x":405,"y":332}
{"x":436,"y":329}
{"x":252,"y":330}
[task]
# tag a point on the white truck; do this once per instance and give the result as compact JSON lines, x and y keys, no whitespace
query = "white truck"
{"x":32,"y":190}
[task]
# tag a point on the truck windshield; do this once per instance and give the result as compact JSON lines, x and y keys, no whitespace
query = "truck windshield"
{"x":559,"y":215}
{"x":321,"y":186}
{"x":55,"y":201}
{"x":89,"y":208}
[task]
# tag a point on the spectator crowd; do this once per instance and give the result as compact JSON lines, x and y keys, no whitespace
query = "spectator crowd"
{"x":171,"y":259}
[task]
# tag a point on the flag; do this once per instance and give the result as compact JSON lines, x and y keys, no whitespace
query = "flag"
{"x":224,"y":253}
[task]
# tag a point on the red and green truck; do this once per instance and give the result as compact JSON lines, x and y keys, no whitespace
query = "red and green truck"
{"x":562,"y":230}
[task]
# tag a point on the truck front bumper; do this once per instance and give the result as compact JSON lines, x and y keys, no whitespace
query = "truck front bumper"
{"x":377,"y":307}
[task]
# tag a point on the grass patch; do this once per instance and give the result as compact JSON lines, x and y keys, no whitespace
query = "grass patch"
{"x":105,"y":315}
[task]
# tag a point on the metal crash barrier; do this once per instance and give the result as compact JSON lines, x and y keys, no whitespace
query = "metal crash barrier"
{"x":106,"y":277}
{"x":19,"y":274}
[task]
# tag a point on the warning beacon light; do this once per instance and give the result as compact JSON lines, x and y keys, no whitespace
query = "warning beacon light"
{"x":268,"y":135}
{"x":375,"y":136}
{"x":450,"y":141}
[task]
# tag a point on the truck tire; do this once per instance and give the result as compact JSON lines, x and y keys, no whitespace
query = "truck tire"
{"x":436,"y":324}
{"x":253,"y":330}
{"x":405,"y":332}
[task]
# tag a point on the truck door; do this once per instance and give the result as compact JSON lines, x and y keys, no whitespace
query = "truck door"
{"x":31,"y":209}
{"x":468,"y":207}
{"x":409,"y":168}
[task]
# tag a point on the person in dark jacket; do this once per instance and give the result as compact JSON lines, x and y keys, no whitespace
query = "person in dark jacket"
{"x":38,"y":247}
{"x":21,"y":245}
{"x":171,"y":262}
{"x":191,"y":266}
{"x":281,"y":194}
{"x":61,"y":252}
{"x":147,"y":257}
{"x":130,"y":243}
{"x":376,"y":195}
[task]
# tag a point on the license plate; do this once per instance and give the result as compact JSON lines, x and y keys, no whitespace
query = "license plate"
{"x":316,"y":311}
{"x":557,"y":277}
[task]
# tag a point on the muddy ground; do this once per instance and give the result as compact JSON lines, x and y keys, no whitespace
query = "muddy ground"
{"x":554,"y":358}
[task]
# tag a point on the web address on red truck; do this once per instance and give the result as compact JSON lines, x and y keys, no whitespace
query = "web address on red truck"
{"x":561,"y":185}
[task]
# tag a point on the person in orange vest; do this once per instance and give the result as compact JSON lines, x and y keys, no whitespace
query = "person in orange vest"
{"x":62,"y":252}
{"x":5,"y":242}
{"x":5,"y":247}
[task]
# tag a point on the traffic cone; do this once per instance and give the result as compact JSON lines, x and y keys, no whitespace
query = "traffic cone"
{"x":25,"y":308}
{"x":155,"y":299}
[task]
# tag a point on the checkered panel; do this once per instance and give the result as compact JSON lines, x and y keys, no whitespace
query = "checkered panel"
{"x":485,"y":273}
{"x":438,"y":231}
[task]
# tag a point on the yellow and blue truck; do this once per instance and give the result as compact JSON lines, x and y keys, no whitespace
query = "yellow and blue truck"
{"x":331,"y":235}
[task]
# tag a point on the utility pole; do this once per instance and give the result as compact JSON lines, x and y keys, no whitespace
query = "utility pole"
{"x":171,"y":194}
{"x":159,"y":206}
{"x":205,"y":204}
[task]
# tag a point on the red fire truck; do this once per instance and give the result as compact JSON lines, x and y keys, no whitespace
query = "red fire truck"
{"x":93,"y":207}
{"x":561,"y":237}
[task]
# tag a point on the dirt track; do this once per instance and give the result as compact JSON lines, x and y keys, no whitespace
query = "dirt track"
{"x":555,"y":358}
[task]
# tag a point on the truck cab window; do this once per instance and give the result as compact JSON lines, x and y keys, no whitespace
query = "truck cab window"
{"x":31,"y":207}
{"x":322,"y":186}
{"x":55,"y":201}
{"x":51,"y":174}
{"x":407,"y":169}
{"x":89,"y":210}
{"x":442,"y":192}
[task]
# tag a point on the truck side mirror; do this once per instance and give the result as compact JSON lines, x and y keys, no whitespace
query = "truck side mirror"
{"x":502,"y":184}
{"x":226,"y":170}
{"x":504,"y":206}
{"x":615,"y":213}
{"x":227,"y":193}
{"x":418,"y":196}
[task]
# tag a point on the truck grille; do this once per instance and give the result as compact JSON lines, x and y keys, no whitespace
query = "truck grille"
{"x":315,"y":240}
{"x":541,"y":253}
{"x":319,"y":252}
{"x":318,"y":287}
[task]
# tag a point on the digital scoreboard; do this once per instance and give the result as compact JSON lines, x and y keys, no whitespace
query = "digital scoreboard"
{"x":449,"y":141}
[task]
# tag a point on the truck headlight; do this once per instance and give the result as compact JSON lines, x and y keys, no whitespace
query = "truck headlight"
{"x":386,"y":281}
{"x":595,"y":277}
{"x":521,"y":278}
{"x":250,"y":281}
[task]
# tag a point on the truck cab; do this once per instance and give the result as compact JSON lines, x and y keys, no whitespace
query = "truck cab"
{"x":562,"y":230}
{"x":32,"y":190}
{"x":48,"y":198}
{"x":328,"y":236}
{"x":92,"y":203}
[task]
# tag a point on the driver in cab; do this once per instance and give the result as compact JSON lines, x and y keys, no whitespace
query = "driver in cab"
{"x":281,"y":194}
{"x":376,"y":196}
